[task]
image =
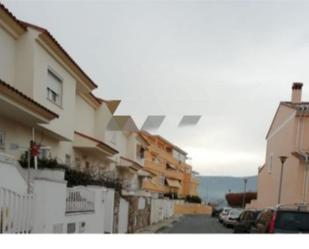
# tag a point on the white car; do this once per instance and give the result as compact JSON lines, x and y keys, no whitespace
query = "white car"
{"x":223,"y":214}
{"x":232,"y":217}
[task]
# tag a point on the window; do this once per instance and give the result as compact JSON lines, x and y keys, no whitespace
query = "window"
{"x":270,"y":163}
{"x":141,"y":203}
{"x":140,"y":152}
{"x":162,"y":179}
{"x":2,"y":140}
{"x":71,"y":228}
{"x":44,"y":152}
{"x":82,"y":227}
{"x":54,"y":88}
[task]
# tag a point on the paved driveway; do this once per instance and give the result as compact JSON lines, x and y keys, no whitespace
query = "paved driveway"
{"x":196,"y":224}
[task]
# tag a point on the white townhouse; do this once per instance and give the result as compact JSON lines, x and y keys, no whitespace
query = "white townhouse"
{"x":74,"y":129}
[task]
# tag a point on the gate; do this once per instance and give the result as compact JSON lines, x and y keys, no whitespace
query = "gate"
{"x":123,"y":216}
{"x":15,"y":212}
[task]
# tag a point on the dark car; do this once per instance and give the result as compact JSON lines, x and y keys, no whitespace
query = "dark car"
{"x":216,"y":212}
{"x":283,"y":219}
{"x":246,"y":220}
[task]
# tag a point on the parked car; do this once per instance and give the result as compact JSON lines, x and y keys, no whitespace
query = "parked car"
{"x":246,"y":220}
{"x":283,"y":219}
{"x":263,"y":221}
{"x":223,"y":214}
{"x":216,"y":212}
{"x":232,"y":217}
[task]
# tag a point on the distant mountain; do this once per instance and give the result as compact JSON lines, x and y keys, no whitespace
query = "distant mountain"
{"x":214,"y":188}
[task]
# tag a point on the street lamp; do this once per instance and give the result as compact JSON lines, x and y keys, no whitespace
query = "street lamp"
{"x":282,"y":160}
{"x":244,"y":195}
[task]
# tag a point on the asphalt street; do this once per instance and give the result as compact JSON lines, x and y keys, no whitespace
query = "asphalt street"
{"x":196,"y":224}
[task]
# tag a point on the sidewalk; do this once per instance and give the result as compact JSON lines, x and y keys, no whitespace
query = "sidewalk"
{"x":155,"y":228}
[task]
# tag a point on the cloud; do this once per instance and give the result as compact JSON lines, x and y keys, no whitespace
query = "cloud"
{"x":230,"y":62}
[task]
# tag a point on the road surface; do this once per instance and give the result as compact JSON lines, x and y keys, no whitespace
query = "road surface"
{"x":196,"y":224}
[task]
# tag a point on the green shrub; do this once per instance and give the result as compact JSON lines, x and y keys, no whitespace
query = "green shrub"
{"x":193,"y":199}
{"x":72,"y":176}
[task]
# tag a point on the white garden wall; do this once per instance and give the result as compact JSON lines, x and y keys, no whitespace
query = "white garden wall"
{"x":10,"y":178}
{"x":123,"y":216}
{"x":109,"y":210}
{"x":161,"y":209}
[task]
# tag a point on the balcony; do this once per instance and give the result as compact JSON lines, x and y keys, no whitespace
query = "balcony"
{"x":155,"y":167}
{"x":174,"y":174}
{"x":169,"y":157}
{"x":166,"y":156}
{"x":153,"y":187}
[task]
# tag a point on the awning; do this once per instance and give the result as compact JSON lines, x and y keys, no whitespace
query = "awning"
{"x":173,"y":183}
{"x":304,"y":156}
{"x":127,"y":164}
{"x":92,"y":146}
{"x":171,"y":166}
{"x":143,"y":173}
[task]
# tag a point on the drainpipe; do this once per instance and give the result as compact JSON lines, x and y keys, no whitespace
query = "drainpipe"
{"x":306,"y":179}
{"x":35,"y":157}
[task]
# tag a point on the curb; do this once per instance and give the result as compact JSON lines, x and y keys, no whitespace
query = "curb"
{"x":156,"y":228}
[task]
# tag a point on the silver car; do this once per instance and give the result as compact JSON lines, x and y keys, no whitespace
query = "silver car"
{"x":232,"y":217}
{"x":223,"y":214}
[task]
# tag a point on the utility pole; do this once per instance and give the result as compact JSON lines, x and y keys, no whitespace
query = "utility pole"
{"x":282,"y":160}
{"x":244,"y":195}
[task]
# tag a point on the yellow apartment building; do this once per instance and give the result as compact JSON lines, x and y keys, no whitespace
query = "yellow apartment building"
{"x":168,"y":164}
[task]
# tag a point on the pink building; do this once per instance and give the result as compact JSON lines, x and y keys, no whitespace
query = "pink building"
{"x":288,"y":136}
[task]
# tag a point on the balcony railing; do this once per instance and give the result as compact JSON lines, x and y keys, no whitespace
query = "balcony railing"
{"x":157,"y":167}
{"x":174,"y":174}
{"x":79,"y":199}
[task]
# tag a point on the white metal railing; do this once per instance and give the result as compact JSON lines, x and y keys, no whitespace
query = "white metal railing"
{"x":15,"y":212}
{"x":79,"y":199}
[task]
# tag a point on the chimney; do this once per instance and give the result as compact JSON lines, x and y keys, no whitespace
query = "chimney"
{"x":296,"y":92}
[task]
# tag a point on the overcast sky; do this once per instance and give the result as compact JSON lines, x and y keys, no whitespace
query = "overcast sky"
{"x":229,"y":61}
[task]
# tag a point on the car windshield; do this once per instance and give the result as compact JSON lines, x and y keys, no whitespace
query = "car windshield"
{"x":292,"y":221}
{"x":226,"y":210}
{"x":235,"y":212}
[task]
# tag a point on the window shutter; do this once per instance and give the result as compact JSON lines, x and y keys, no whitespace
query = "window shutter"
{"x":54,"y":83}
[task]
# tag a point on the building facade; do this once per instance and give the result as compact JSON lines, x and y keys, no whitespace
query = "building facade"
{"x":172,"y":175}
{"x":288,"y":136}
{"x":47,"y":98}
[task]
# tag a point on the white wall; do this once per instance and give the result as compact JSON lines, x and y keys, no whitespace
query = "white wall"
{"x":50,"y":206}
{"x":85,"y":117}
{"x":123,"y":216}
{"x":65,"y":124}
{"x":7,"y":57}
{"x":102,"y":119}
{"x":24,"y":66}
{"x":94,"y":222}
{"x":161,"y":209}
{"x":109,"y":210}
{"x":10,"y":177}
